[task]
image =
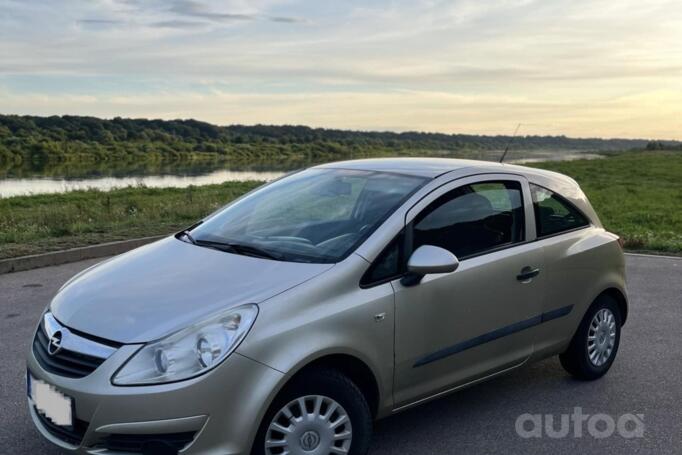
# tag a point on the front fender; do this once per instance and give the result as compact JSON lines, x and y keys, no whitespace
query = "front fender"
{"x":328,"y":315}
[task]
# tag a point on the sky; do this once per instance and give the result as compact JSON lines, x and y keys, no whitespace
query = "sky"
{"x":596,"y":68}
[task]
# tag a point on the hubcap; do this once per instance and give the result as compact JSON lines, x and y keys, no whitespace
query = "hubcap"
{"x":310,"y":440}
{"x":601,"y":337}
{"x":310,"y":425}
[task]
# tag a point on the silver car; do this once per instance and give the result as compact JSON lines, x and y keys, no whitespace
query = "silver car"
{"x":289,"y":320}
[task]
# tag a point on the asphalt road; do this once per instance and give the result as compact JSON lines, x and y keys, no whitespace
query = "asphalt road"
{"x":646,"y":379}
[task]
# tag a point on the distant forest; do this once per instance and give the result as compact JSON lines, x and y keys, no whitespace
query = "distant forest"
{"x":41,"y":139}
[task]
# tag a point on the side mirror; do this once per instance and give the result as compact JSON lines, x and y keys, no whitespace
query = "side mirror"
{"x":429,"y":259}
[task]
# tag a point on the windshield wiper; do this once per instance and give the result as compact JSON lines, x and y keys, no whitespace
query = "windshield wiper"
{"x":255,"y":251}
{"x":239,"y":248}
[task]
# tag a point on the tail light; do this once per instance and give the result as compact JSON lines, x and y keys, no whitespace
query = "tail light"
{"x":621,"y":242}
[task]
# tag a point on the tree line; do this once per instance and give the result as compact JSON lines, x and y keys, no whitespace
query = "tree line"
{"x":58,"y":138}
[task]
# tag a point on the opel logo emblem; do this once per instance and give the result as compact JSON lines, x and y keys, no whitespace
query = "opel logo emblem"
{"x":55,"y":344}
{"x":310,"y":440}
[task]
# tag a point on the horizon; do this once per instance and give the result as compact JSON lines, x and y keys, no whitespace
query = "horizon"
{"x":284,"y":125}
{"x":606,"y":69}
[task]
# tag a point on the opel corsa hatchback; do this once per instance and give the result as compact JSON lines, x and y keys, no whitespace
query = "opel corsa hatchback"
{"x":287,"y":321}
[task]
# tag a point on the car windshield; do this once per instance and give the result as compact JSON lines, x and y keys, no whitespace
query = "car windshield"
{"x":317,"y":215}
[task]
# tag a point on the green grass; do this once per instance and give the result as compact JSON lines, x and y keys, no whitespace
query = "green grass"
{"x":637,"y":195}
{"x":42,"y":223}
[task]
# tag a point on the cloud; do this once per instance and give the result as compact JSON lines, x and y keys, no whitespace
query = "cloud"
{"x":287,"y":20}
{"x":592,"y":67}
{"x":196,"y":9}
{"x":99,"y":23}
{"x":178,"y":24}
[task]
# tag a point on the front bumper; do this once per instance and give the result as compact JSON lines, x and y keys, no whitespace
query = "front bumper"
{"x":222,"y":408}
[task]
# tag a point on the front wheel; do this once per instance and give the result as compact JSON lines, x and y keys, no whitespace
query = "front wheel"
{"x":595,"y":344}
{"x":319,"y":413}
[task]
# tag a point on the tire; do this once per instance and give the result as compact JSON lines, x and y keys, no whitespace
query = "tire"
{"x":577,"y":359}
{"x":332,"y":387}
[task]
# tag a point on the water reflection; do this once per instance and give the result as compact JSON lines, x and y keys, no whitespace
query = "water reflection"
{"x":41,"y":178}
{"x":17,"y":187}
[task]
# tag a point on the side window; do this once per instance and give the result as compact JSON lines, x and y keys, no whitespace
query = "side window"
{"x":553,"y":213}
{"x":473,"y":219}
{"x":388,"y":265}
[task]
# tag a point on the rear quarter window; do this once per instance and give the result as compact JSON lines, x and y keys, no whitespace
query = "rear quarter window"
{"x":553,"y":213}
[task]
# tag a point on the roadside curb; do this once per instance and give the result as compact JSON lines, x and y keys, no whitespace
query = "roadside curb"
{"x":73,"y":255}
{"x":37,"y":261}
{"x":653,"y":255}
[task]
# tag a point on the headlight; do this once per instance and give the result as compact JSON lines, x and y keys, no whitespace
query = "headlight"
{"x":189,"y":352}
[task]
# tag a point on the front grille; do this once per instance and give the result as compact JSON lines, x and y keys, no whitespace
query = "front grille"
{"x":64,"y":363}
{"x":148,"y":444}
{"x":71,"y":435}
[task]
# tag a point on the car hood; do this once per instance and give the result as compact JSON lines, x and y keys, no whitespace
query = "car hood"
{"x":163,"y":287}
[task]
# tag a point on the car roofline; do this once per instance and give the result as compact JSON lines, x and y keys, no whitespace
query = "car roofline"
{"x":433,"y":168}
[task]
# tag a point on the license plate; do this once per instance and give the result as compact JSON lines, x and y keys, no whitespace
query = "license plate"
{"x":50,"y":402}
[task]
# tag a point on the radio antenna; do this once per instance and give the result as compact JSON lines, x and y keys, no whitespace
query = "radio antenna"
{"x":511,"y":139}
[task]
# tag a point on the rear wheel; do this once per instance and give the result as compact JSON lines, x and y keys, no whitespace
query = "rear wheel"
{"x":320,"y":413}
{"x":595,"y":344}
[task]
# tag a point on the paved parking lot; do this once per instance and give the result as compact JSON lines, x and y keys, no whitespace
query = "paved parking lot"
{"x":646,"y":379}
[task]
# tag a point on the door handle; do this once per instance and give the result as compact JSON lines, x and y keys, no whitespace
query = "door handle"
{"x":527,"y":274}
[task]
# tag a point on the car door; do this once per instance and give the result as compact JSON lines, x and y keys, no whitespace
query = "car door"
{"x":457,"y":327}
{"x":572,"y":254}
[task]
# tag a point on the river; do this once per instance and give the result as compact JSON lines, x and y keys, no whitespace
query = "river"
{"x":62,"y":178}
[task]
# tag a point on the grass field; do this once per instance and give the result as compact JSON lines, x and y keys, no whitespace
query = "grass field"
{"x":637,"y":195}
{"x":41,"y":223}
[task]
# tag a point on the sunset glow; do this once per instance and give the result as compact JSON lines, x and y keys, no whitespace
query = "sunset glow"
{"x":607,"y":68}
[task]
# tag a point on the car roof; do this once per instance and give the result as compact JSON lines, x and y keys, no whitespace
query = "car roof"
{"x":422,"y":167}
{"x":435,"y":167}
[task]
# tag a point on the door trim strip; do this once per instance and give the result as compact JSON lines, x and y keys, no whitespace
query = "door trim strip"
{"x":461,"y":386}
{"x":494,"y":335}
